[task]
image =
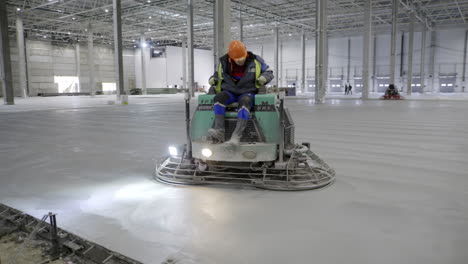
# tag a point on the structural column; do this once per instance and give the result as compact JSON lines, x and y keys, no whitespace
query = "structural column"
{"x":402,"y":56}
{"x":431,"y":61}
{"x":464,"y":63}
{"x":393,"y":40}
{"x":348,"y":66}
{"x":276,"y":41}
{"x":374,"y":66}
{"x":280,"y":73}
{"x":5,"y":61}
{"x":321,"y":51}
{"x":21,"y":56}
{"x":91,"y":81}
{"x":190,"y":45}
{"x":28,"y":65}
{"x":184,"y":62}
{"x":119,"y":77}
{"x":423,"y":58}
{"x":366,"y":48}
{"x":77,"y":66}
{"x":303,"y":67}
{"x":241,"y":25}
{"x":215,"y":42}
{"x":410,"y":55}
{"x":223,"y":26}
{"x":143,"y":62}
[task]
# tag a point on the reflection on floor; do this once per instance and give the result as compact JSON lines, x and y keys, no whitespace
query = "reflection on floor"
{"x":399,"y":196}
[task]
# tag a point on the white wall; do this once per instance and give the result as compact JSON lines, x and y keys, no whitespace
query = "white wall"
{"x":156,"y":75}
{"x":45,"y":60}
{"x":448,"y":56}
{"x":203,"y":67}
{"x":168,"y":71}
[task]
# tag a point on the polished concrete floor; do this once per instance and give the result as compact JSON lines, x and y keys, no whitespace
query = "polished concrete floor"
{"x":400,"y":196}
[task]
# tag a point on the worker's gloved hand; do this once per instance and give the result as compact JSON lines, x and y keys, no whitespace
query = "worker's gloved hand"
{"x":213,"y":81}
{"x":261,"y":80}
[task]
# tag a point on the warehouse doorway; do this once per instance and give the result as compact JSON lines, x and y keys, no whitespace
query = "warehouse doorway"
{"x":336,"y":86}
{"x":447,"y":84}
{"x":382,"y":84}
{"x":109,"y":88}
{"x":416,"y":85}
{"x":311,"y":85}
{"x":357,"y":85}
{"x":67,"y":84}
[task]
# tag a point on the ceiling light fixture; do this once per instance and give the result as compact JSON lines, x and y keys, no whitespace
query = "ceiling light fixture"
{"x":107,"y":10}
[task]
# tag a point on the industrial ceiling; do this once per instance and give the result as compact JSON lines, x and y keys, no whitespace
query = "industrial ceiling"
{"x":163,"y":22}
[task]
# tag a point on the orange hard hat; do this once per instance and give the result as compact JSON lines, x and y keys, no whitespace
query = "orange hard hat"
{"x":237,"y":50}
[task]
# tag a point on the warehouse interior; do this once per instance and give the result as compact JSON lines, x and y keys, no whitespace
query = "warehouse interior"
{"x":96,"y":91}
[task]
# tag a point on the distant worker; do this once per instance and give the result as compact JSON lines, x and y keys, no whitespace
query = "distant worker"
{"x":346,"y":88}
{"x":240,"y":73}
{"x":350,"y":88}
{"x":391,"y":90}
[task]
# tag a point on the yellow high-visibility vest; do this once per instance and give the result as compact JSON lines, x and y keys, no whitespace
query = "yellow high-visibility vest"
{"x":258,"y":72}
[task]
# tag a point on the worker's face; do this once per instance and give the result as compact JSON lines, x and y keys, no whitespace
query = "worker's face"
{"x":240,"y":61}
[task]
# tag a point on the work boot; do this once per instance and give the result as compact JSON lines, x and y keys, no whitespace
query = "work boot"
{"x":216,"y":134}
{"x":237,"y":134}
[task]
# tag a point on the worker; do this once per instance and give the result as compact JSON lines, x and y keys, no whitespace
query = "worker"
{"x":391,"y":90}
{"x":239,"y":75}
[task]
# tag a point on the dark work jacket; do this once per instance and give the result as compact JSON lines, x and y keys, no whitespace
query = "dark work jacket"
{"x":247,"y":83}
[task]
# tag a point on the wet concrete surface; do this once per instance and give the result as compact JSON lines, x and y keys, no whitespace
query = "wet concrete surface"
{"x":400,"y":194}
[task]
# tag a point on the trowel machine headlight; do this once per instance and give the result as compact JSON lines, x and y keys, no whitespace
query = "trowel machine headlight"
{"x":206,"y":152}
{"x":173,"y":151}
